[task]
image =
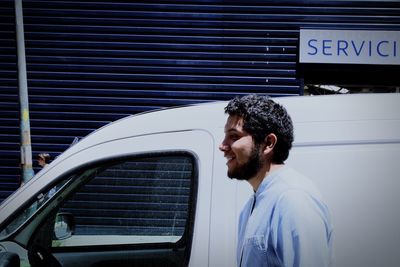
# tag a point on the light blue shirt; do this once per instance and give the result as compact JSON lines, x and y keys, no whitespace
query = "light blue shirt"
{"x":289,"y":225}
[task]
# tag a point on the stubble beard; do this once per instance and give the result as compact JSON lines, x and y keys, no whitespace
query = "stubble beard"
{"x":249,"y":169}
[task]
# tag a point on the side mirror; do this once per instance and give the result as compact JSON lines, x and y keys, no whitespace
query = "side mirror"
{"x":64,"y":225}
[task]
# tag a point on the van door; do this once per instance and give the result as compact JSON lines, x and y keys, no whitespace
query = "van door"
{"x":139,"y":201}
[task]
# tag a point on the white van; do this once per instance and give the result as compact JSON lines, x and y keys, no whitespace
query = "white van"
{"x":152,"y":190}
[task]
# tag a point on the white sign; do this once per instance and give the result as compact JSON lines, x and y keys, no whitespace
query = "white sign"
{"x":350,"y":46}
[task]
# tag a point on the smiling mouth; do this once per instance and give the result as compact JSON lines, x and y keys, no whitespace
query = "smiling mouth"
{"x":229,"y":159}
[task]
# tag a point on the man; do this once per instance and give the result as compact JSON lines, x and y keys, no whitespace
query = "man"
{"x":285,"y":223}
{"x":43,"y":159}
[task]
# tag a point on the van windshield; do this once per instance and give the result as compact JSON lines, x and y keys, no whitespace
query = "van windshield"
{"x":44,"y":199}
{"x":40,"y":200}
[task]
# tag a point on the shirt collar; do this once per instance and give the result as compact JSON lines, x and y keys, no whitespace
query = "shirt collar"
{"x":267,"y":181}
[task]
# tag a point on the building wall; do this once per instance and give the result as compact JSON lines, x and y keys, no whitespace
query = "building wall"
{"x":9,"y":124}
{"x":90,"y":63}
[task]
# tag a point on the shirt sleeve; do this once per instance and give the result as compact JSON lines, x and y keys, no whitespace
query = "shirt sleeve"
{"x":300,"y":234}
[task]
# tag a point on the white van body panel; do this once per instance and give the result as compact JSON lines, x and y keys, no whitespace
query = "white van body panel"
{"x":348,"y":145}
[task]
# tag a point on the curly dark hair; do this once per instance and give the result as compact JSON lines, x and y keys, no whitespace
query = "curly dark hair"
{"x":262,"y":116}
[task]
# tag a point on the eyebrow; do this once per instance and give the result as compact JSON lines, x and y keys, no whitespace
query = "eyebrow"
{"x":232,"y":130}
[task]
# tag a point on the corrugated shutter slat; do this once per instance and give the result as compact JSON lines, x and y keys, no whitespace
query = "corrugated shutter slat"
{"x":98,"y":61}
{"x":9,"y":119}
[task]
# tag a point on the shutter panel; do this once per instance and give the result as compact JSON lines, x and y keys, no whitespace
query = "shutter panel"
{"x":92,"y":62}
{"x":9,"y":110}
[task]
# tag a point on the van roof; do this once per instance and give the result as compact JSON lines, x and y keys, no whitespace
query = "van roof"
{"x":303,"y":110}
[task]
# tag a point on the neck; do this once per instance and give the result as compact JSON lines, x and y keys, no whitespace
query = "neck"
{"x":256,"y":180}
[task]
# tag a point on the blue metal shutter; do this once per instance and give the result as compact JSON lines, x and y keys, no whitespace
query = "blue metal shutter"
{"x":92,"y":62}
{"x":9,"y":124}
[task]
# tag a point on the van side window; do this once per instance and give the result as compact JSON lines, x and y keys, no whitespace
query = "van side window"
{"x":144,"y":200}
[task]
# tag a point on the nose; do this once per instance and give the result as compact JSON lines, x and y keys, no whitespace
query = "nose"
{"x":223,"y":146}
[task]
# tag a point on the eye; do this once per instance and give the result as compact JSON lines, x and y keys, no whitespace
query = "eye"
{"x":234,"y":137}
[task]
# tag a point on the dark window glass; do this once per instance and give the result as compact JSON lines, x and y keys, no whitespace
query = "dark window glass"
{"x":135,"y":201}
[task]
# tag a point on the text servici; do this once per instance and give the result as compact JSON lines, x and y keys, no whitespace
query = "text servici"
{"x":359,"y":48}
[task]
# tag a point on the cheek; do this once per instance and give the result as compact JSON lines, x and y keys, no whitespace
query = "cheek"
{"x":242,"y":149}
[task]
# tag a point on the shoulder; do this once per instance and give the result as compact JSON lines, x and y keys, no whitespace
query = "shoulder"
{"x":297,"y":208}
{"x":294,"y":199}
{"x":297,"y":196}
{"x":294,"y":185}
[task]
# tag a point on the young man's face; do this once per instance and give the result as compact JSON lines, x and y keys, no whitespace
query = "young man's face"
{"x":243,"y":156}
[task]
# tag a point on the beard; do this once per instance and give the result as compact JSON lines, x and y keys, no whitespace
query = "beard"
{"x":249,"y":169}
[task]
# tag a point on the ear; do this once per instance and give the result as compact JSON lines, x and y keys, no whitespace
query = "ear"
{"x":269,"y":142}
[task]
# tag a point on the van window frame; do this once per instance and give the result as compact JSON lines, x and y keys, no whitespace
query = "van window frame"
{"x":187,"y":237}
{"x":47,"y":210}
